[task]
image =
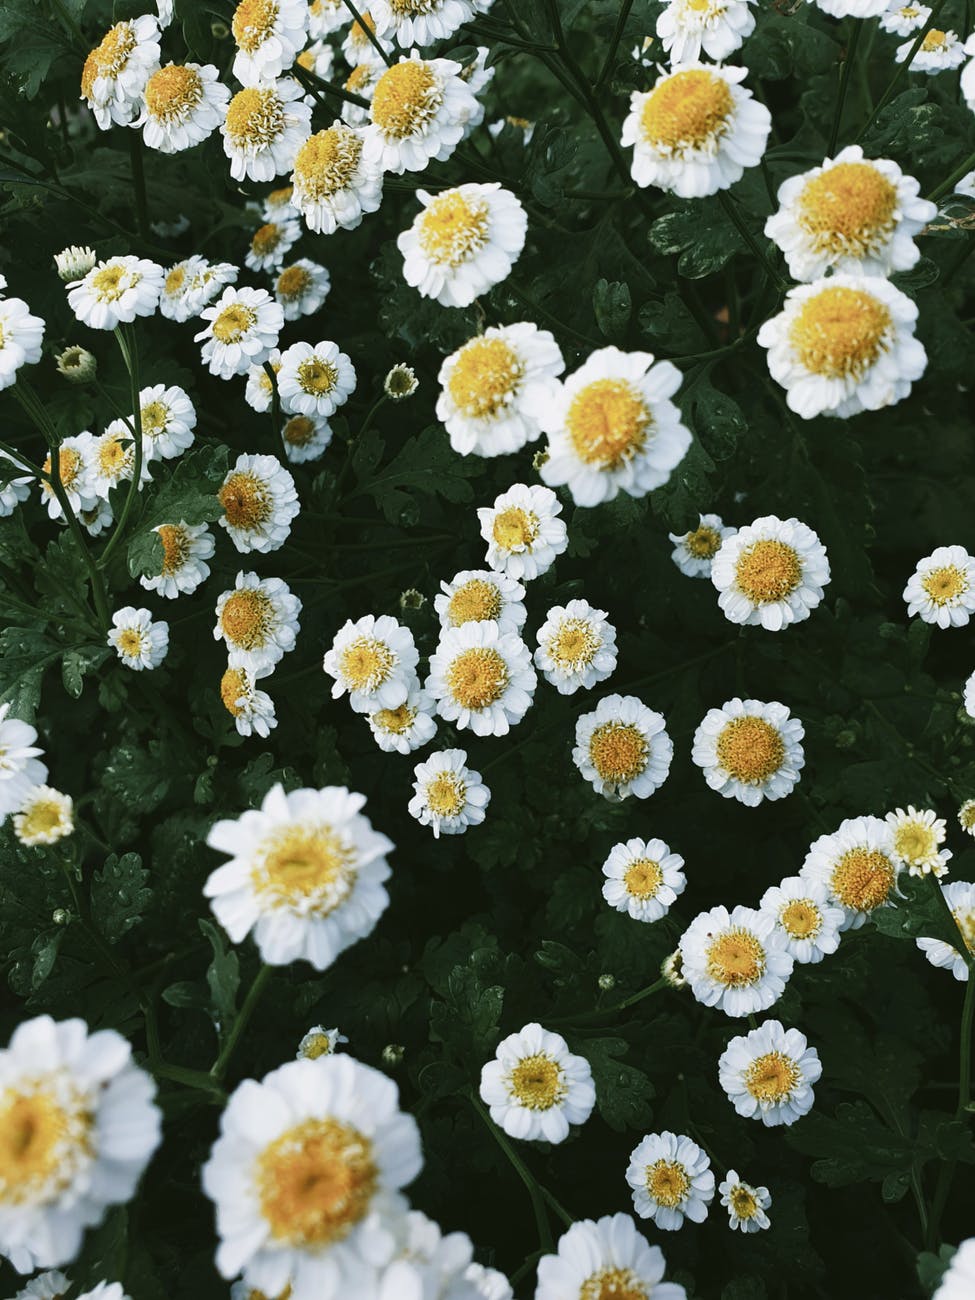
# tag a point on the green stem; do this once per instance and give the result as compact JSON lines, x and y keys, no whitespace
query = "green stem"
{"x":368,"y":32}
{"x":130,"y":354}
{"x":275,"y":402}
{"x":848,"y":64}
{"x":254,"y":994}
{"x":482,"y":31}
{"x":312,"y":81}
{"x":735,"y":217}
{"x":139,"y":183}
{"x":947,"y":185}
{"x":190,"y":1079}
{"x":600,"y":1013}
{"x":534,"y":1191}
{"x":20,"y":459}
{"x":614,"y":44}
{"x":901,"y":71}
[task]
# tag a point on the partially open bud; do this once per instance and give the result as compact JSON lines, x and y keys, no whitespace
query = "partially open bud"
{"x":77,"y":364}
{"x":401,"y":382}
{"x":74,"y":262}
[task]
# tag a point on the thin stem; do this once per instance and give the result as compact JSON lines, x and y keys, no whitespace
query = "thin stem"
{"x":901,"y":71}
{"x":368,"y":32}
{"x":254,"y":994}
{"x":534,"y":1191}
{"x":614,"y":44}
{"x":190,"y":1079}
{"x":139,"y":183}
{"x":130,"y":354}
{"x":275,"y":400}
{"x":947,"y":185}
{"x":848,"y":63}
{"x":735,"y":217}
{"x":21,"y":459}
{"x":312,"y":81}
{"x":600,"y":1013}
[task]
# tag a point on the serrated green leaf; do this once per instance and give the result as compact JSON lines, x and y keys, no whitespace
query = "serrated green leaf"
{"x":120,"y":895}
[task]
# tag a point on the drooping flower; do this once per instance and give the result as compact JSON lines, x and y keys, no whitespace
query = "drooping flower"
{"x":21,"y":338}
{"x":301,"y":288}
{"x":407,"y":727}
{"x":716,"y":27}
{"x":251,"y":708}
{"x":117,"y":69}
{"x":268,"y":34}
{"x":960,"y":897}
{"x":185,"y":550}
{"x":337,"y":178}
{"x":418,"y":112}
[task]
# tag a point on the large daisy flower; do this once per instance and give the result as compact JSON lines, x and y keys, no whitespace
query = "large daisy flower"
{"x":20,"y":765}
{"x":478,"y":596}
{"x":768,"y":1074}
{"x":858,"y":866}
{"x":718,"y":27}
{"x":419,"y":111}
{"x":269,"y":35}
{"x":264,"y":128}
{"x":337,"y":178}
{"x":185,"y":551}
{"x":918,"y":836}
{"x":116,"y":291}
{"x":258,"y":620}
{"x":21,"y":337}
{"x":736,"y":961}
{"x":749,"y":750}
{"x":183,"y":103}
{"x":259,"y":504}
{"x":622,"y":748}
{"x":694,"y":552}
{"x":770,"y":573}
{"x":243,"y":330}
{"x":942,"y":587}
{"x":535,"y":1088}
{"x":960,"y":897}
{"x":746,"y":1205}
{"x":482,"y":678}
{"x":523,"y":531}
{"x":407,"y":727}
{"x":448,"y":795}
{"x":605,"y":1259}
{"x":373,"y":659}
{"x":808,"y":922}
{"x":671,"y":1180}
{"x":576,"y":647}
{"x":117,"y":69}
{"x":315,"y":379}
{"x":643,"y":879}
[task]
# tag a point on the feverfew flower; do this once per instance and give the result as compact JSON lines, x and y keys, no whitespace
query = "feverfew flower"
{"x":315,"y":380}
{"x":917,"y":840}
{"x":958,"y":1283}
{"x":77,"y":364}
{"x":806,"y":920}
{"x":523,"y":531}
{"x":259,"y":503}
{"x":694,"y":551}
{"x":482,"y":678}
{"x":319,"y":1041}
{"x":966,"y":816}
{"x":374,"y":659}
{"x":768,"y":1074}
{"x":21,"y":336}
{"x":46,"y":1286}
{"x":243,"y":329}
{"x":305,"y":437}
{"x":401,"y":382}
{"x":191,"y":284}
{"x":45,"y":816}
{"x":736,"y":961}
{"x":74,"y":262}
{"x":671,"y":1180}
{"x":306,"y":874}
{"x":489,"y":1283}
{"x":271,"y":243}
{"x":76,"y":472}
{"x":902,"y":20}
{"x":168,"y":420}
{"x":938,"y":52}
{"x":358,"y":48}
{"x":960,"y":897}
{"x":326,"y":17}
{"x":183,"y":103}
{"x":746,"y":1205}
{"x":576,"y":647}
{"x":337,"y":178}
{"x":643,"y":879}
{"x":258,"y":620}
{"x":259,"y":391}
{"x":137,"y":640}
{"x":427,"y":1264}
{"x":264,"y":128}
{"x":465,"y":241}
{"x":858,"y":867}
{"x":362,"y":81}
{"x":421,"y":22}
{"x":88,"y":1127}
{"x":969,"y":696}
{"x":696,"y":131}
{"x":718,"y":27}
{"x":117,"y":69}
{"x":942,"y":587}
{"x":448,"y":796}
{"x":13,"y":490}
{"x":407,"y":727}
{"x":418,"y":112}
{"x":622,"y":748}
{"x":185,"y":550}
{"x":967,"y":87}
{"x":749,"y":750}
{"x":535,"y":1088}
{"x":269,"y":35}
{"x":478,"y":596}
{"x":605,"y":1259}
{"x":251,"y":708}
{"x":771,"y":573}
{"x":20,"y":766}
{"x":113,"y":458}
{"x":301,"y":288}
{"x":116,"y":291}
{"x":614,"y":428}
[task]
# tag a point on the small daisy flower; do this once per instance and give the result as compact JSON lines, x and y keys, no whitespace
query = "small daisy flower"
{"x":46,"y":1286}
{"x":696,"y":131}
{"x":13,"y":491}
{"x":21,"y":337}
{"x":362,"y":81}
{"x":523,"y":531}
{"x":959,"y":1280}
{"x":251,"y":709}
{"x":319,"y":1041}
{"x":116,"y":291}
{"x":770,"y":573}
{"x":315,"y":379}
{"x":183,"y":103}
{"x":407,"y":727}
{"x":605,"y":1259}
{"x":902,"y":20}
{"x":337,"y":178}
{"x":448,"y":795}
{"x":622,"y":748}
{"x":613,"y":428}
{"x":191,"y":285}
{"x":768,"y":1074}
{"x":76,"y":461}
{"x":478,"y":596}
{"x":576,"y":647}
{"x":268,"y":35}
{"x":185,"y":551}
{"x":643,"y":879}
{"x":319,"y":58}
{"x":259,"y":503}
{"x":305,"y":438}
{"x":45,"y":817}
{"x":858,"y":866}
{"x":942,"y":588}
{"x":74,"y":262}
{"x":482,"y":678}
{"x":279,"y":204}
{"x":259,"y":390}
{"x":113,"y":458}
{"x":271,"y":243}
{"x":301,"y":288}
{"x":488,"y":1283}
{"x":421,"y":22}
{"x":243,"y":330}
{"x":966,"y":816}
{"x":843,"y":345}
{"x":496,"y":388}
{"x":373,"y":659}
{"x":137,"y":640}
{"x":77,"y":364}
{"x":535,"y":1088}
{"x":736,"y":961}
{"x":168,"y":420}
{"x":312,"y":1159}
{"x":117,"y":69}
{"x":427,"y":1263}
{"x":671,"y":1180}
{"x":20,"y":767}
{"x":938,"y":52}
{"x":746,"y":1205}
{"x":465,"y":241}
{"x":258,"y":620}
{"x":718,"y":27}
{"x":96,"y":520}
{"x":804,"y":917}
{"x":400,"y":382}
{"x":749,"y":750}
{"x":918,"y":837}
{"x":694,"y":551}
{"x":357,"y":48}
{"x":960,"y":897}
{"x":326,"y":17}
{"x":264,"y":128}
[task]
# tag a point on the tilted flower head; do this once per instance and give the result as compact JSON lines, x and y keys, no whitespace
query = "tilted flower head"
{"x":168,"y":419}
{"x":966,"y":816}
{"x":918,"y":837}
{"x":750,"y":750}
{"x":535,"y":1088}
{"x":421,"y":22}
{"x":489,"y":1283}
{"x":643,"y":878}
{"x":496,"y":388}
{"x":858,"y":866}
{"x":407,"y":727}
{"x":326,"y":17}
{"x":807,"y":921}
{"x":117,"y":69}
{"x":306,"y":1175}
{"x":137,"y":640}
{"x":85,"y":1126}
{"x":939,"y":52}
{"x":21,"y":337}
{"x":481,"y":595}
{"x":523,"y":531}
{"x":419,"y":110}
{"x":264,"y":128}
{"x":736,"y":961}
{"x":243,"y":330}
{"x":942,"y":587}
{"x":960,"y":897}
{"x":183,"y":103}
{"x":185,"y":550}
{"x":305,"y":437}
{"x":77,"y":364}
{"x":315,"y":379}
{"x":269,"y":35}
{"x":116,"y":291}
{"x":319,"y":1041}
{"x":76,"y":470}
{"x":482,"y":678}
{"x":613,"y":427}
{"x":576,"y":647}
{"x":694,"y":552}
{"x":259,"y":391}
{"x":74,"y":262}
{"x":271,"y":243}
{"x":14,"y":490}
{"x":20,"y":765}
{"x":718,"y":27}
{"x":301,"y":288}
{"x":45,"y":816}
{"x":959,"y":1281}
{"x":768,"y":1074}
{"x":852,"y":214}
{"x":622,"y":748}
{"x":319,"y":58}
{"x":362,"y":81}
{"x":449,"y":796}
{"x":696,"y":131}
{"x":671,"y":1180}
{"x":337,"y":178}
{"x":770,"y":573}
{"x":428,"y":1264}
{"x":191,"y":284}
{"x":258,"y":620}
{"x":465,"y":241}
{"x":843,"y":345}
{"x":746,"y":1205}
{"x":605,"y":1259}
{"x":251,"y":708}
{"x":113,"y":458}
{"x":259,"y":503}
{"x":374,"y":659}
{"x":360,"y":41}
{"x":902,"y":20}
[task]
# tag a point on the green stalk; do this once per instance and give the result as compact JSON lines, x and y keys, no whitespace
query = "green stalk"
{"x":139,"y":183}
{"x":600,"y":1013}
{"x":254,"y":994}
{"x":367,"y":31}
{"x":726,"y":201}
{"x":614,"y":44}
{"x":848,"y":62}
{"x":130,"y":355}
{"x":535,"y":1192}
{"x":275,"y":402}
{"x":318,"y":85}
{"x":947,"y":185}
{"x":902,"y":70}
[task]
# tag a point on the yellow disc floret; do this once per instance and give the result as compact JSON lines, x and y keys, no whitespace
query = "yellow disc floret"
{"x":485,"y":378}
{"x":514,"y":528}
{"x":750,"y":749}
{"x":618,"y":751}
{"x":945,"y":584}
{"x":406,"y":98}
{"x":537,"y":1082}
{"x":801,"y":919}
{"x":109,"y":57}
{"x":232,"y":323}
{"x":643,"y":879}
{"x":45,"y":1138}
{"x":668,"y":1182}
{"x":310,"y":868}
{"x":316,"y":1182}
{"x":574,"y":645}
{"x":687,"y":111}
{"x":704,"y":543}
{"x":735,"y":958}
{"x":327,"y":162}
{"x":253,"y":22}
{"x":255,"y":117}
{"x":848,"y":209}
{"x":477,"y":678}
{"x":365,"y":664}
{"x":172,"y":92}
{"x":614,"y":1284}
{"x":863,"y":878}
{"x":233,"y":687}
{"x":446,"y":795}
{"x":474,"y":602}
{"x":607,"y":423}
{"x":772,"y":1077}
{"x":768,"y":571}
{"x":453,"y":228}
{"x":246,"y":618}
{"x":839,"y":333}
{"x":246,"y":500}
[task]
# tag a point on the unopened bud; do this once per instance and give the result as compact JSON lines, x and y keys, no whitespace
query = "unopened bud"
{"x":60,"y":916}
{"x":393,"y":1054}
{"x":77,"y":364}
{"x":412,"y":599}
{"x":401,"y":382}
{"x":539,"y":459}
{"x":606,"y":982}
{"x":672,"y":970}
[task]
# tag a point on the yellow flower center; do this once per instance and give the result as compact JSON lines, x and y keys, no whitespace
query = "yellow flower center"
{"x":768,"y":571}
{"x":608,"y":423}
{"x":643,"y":879}
{"x":478,"y":677}
{"x":113,"y":458}
{"x":232,"y":323}
{"x":446,"y":795}
{"x":40,"y":818}
{"x":618,"y":751}
{"x":327,"y":161}
{"x":317,"y":376}
{"x":863,"y":878}
{"x":849,"y":208}
{"x":735,"y":958}
{"x":309,"y":869}
{"x":108,"y":58}
{"x":112,"y":281}
{"x":801,"y":918}
{"x":944,"y":585}
{"x":689,"y":110}
{"x":130,"y":642}
{"x":668,"y":1182}
{"x":176,"y":547}
{"x":246,"y":501}
{"x":254,"y":117}
{"x":840,"y":333}
{"x":247,"y":618}
{"x":316,"y":1046}
{"x":155,"y":417}
{"x":704,"y":543}
{"x":293,"y":282}
{"x":966,"y":814}
{"x":412,"y":8}
{"x":395,"y":721}
{"x":485,"y":377}
{"x":266,"y":240}
{"x":537,"y":1083}
{"x":934,"y":42}
{"x":750,"y":749}
{"x":316,"y":1182}
{"x":359,"y":78}
{"x":613,"y":1284}
{"x":299,"y":431}
{"x":453,"y":228}
{"x":743,"y":1202}
{"x":914,"y":841}
{"x":406,"y":97}
{"x":514,"y":527}
{"x":233,"y":687}
{"x":45,"y":1138}
{"x":474,"y":602}
{"x":366,"y":664}
{"x":965,"y":920}
{"x":358,"y":32}
{"x":69,"y":466}
{"x":772,"y":1077}
{"x":175,"y":280}
{"x":574,"y":644}
{"x":172,"y":92}
{"x":253,"y":22}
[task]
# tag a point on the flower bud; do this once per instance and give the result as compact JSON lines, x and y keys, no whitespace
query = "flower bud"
{"x":401,"y":382}
{"x":74,"y":262}
{"x":77,"y":364}
{"x":393,"y":1054}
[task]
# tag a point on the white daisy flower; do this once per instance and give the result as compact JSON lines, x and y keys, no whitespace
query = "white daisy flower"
{"x":967,"y":87}
{"x":96,"y":520}
{"x":605,"y":1259}
{"x":804,"y":917}
{"x":428,"y":1264}
{"x":116,"y":291}
{"x":746,"y":1205}
{"x":20,"y":767}
{"x":21,"y":337}
{"x":694,"y":551}
{"x":113,"y":458}
{"x":305,"y":437}
{"x":13,"y":491}
{"x":671,"y":1180}
{"x":45,"y":816}
{"x":496,"y":388}
{"x":622,"y":748}
{"x":465,"y":241}
{"x":902,"y":20}
{"x":420,"y":22}
{"x":969,"y":694}
{"x":696,"y":131}
{"x":326,"y":17}
{"x":268,"y":35}
{"x":301,"y":288}
{"x":938,"y":52}
{"x":407,"y":727}
{"x":251,"y":708}
{"x":449,"y":796}
{"x":613,"y":428}
{"x":489,"y":1284}
{"x":183,"y":103}
{"x":258,"y":620}
{"x":771,"y":572}
{"x":306,"y":1175}
{"x":852,"y":214}
{"x":960,"y":897}
{"x":523,"y":531}
{"x":259,"y":391}
{"x":338,"y":178}
{"x":481,"y":595}
{"x":576,"y":647}
{"x":168,"y":420}
{"x":76,"y":460}
{"x":46,"y":1286}
{"x":857,"y":865}
{"x":357,"y":48}
{"x":319,"y":1041}
{"x":185,"y":550}
{"x":319,"y":58}
{"x":966,"y":816}
{"x":271,"y":243}
{"x":918,"y":836}
{"x":315,"y":379}
{"x":191,"y":284}
{"x":942,"y":587}
{"x":243,"y":330}
{"x":852,"y":8}
{"x":535,"y":1088}
{"x":106,"y":1291}
{"x":117,"y":69}
{"x":362,"y":81}
{"x":736,"y":961}
{"x":74,"y":262}
{"x":400,"y":382}
{"x":166,"y":11}
{"x":374,"y":659}
{"x":768,"y":1074}
{"x":86,"y":1127}
{"x":259,"y":503}
{"x":279,"y":203}
{"x":718,"y":27}
{"x":750,"y":750}
{"x":264,"y":128}
{"x":482,"y":678}
{"x":643,"y":878}
{"x":958,"y":1283}
{"x":137,"y":640}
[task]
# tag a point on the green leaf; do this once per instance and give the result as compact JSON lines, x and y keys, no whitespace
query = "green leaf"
{"x":188,"y":494}
{"x":425,"y":464}
{"x":917,"y":914}
{"x":623,"y":1093}
{"x":671,"y":326}
{"x":120,"y":895}
{"x":25,"y":653}
{"x":717,"y":419}
{"x":223,"y":975}
{"x":77,"y":663}
{"x":45,"y":950}
{"x":612,"y":306}
{"x":700,"y":234}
